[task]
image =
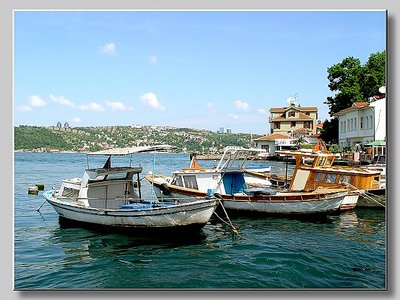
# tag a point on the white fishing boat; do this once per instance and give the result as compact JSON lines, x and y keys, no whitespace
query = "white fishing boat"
{"x":111,"y":197}
{"x":229,"y":185}
{"x":200,"y":182}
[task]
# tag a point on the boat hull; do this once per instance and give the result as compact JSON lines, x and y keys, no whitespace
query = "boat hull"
{"x":375,"y":198}
{"x":194,"y":214}
{"x":349,"y":202}
{"x":279,"y":204}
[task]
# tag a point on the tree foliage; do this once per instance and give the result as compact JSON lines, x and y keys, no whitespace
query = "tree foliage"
{"x":350,"y":81}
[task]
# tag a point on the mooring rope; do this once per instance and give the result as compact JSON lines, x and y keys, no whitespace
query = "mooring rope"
{"x":366,"y":194}
{"x":234,"y":229}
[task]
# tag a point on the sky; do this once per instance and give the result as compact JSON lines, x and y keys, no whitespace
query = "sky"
{"x":196,"y":69}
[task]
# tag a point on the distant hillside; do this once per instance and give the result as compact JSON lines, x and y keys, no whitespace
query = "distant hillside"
{"x":32,"y":138}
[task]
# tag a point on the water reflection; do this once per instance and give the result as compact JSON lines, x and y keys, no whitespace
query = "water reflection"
{"x":86,"y":244}
{"x":363,"y":225}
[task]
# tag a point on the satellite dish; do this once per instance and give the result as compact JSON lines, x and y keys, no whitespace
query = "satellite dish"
{"x":382,"y":90}
{"x":292,"y":100}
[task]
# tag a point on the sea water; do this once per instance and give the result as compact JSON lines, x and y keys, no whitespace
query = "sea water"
{"x":342,"y":251}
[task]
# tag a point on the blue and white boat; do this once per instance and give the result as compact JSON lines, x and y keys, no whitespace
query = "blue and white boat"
{"x":111,"y":197}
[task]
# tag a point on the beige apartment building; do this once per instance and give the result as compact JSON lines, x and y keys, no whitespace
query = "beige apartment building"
{"x":294,"y":119}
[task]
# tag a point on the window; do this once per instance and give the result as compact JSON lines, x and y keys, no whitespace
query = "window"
{"x":70,"y":193}
{"x":265,"y":147}
{"x":321,"y":161}
{"x":355,"y":123}
{"x":348,"y":125}
{"x":352,"y":124}
{"x":277,"y":125}
{"x":318,"y":177}
{"x":330,"y":178}
{"x":344,"y":179}
{"x":367,"y":123}
{"x":190,"y":182}
{"x":371,"y":121}
{"x":293,"y":124}
{"x":307,"y":113}
{"x":307,"y":124}
{"x":177,"y":181}
{"x":291,"y":114}
{"x":361,"y":123}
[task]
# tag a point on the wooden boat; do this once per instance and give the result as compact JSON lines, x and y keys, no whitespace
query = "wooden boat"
{"x":314,"y":169}
{"x":229,"y":185}
{"x":109,"y":197}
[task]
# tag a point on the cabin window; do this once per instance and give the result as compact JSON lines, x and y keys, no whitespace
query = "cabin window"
{"x":70,"y":193}
{"x":328,"y":161}
{"x":190,"y":182}
{"x":318,"y":176}
{"x":344,"y":179}
{"x":177,"y":181}
{"x":330,"y":178}
{"x":321,"y":161}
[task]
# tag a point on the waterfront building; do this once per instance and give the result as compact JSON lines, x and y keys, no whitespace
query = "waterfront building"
{"x":287,"y":124}
{"x":285,"y":120}
{"x":363,"y":123}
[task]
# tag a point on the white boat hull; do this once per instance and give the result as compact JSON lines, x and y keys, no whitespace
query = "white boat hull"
{"x":349,"y":202}
{"x":190,"y":214}
{"x":324,"y":205}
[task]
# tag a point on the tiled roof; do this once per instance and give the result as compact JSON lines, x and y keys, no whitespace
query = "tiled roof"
{"x":271,"y":137}
{"x":355,"y":106}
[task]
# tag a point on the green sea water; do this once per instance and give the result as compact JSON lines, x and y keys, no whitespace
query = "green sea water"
{"x":341,"y":251}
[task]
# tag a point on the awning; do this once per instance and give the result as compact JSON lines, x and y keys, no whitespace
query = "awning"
{"x":378,"y":143}
{"x":131,"y":150}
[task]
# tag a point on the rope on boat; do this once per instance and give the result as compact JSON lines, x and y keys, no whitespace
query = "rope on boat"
{"x":366,"y":194}
{"x":234,"y":229}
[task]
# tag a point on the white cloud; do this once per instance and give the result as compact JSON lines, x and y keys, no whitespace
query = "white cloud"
{"x":262,"y":111}
{"x":234,"y":116}
{"x":153,"y":60}
{"x":75,"y":120}
{"x":25,"y":108}
{"x":109,"y":48}
{"x":36,"y":101}
{"x":62,"y":100}
{"x":211,"y":108}
{"x":118,"y":106}
{"x":95,"y":107}
{"x":240,"y":105}
{"x":150,"y":100}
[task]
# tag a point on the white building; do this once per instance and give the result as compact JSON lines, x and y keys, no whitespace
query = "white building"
{"x":272,"y":142}
{"x":362,"y":123}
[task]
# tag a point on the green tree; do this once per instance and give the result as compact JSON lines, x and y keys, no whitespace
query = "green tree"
{"x":373,"y":75}
{"x":350,"y":81}
{"x":345,"y":81}
{"x":330,"y":130}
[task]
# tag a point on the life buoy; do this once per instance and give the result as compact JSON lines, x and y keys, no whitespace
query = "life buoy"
{"x":165,"y":189}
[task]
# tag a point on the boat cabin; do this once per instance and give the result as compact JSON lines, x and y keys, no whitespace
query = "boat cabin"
{"x":315,"y":169}
{"x":104,"y":188}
